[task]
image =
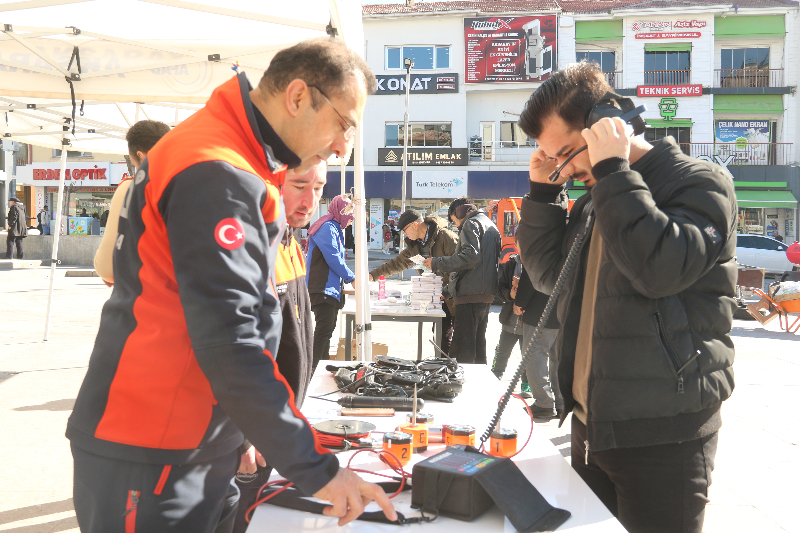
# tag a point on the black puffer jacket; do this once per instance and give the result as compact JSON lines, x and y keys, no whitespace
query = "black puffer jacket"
{"x":665,"y":290}
{"x":474,"y":264}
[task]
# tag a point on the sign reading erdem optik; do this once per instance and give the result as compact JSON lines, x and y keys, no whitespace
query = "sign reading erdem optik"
{"x":423,"y":156}
{"x":420,"y":83}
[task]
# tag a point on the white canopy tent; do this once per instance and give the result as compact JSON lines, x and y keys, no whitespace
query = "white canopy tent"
{"x":79,"y":73}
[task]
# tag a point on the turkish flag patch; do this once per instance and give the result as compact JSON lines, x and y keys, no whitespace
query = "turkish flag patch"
{"x":229,"y":233}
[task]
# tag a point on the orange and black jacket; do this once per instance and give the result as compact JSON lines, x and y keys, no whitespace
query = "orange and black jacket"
{"x":183,"y":363}
{"x":295,"y":354}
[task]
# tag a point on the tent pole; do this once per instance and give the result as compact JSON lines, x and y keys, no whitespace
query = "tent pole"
{"x":54,"y":256}
{"x":363,"y":321}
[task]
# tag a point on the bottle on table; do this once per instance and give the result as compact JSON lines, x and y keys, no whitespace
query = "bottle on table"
{"x":381,"y":288}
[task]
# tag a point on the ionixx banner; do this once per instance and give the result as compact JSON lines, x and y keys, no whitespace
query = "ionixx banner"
{"x":510,"y":49}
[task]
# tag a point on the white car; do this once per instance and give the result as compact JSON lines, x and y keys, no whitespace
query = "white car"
{"x":762,"y":252}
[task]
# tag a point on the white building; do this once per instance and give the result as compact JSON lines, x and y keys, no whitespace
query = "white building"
{"x":720,"y":79}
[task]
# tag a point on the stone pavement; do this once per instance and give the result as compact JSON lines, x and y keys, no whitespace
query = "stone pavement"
{"x":757,"y":469}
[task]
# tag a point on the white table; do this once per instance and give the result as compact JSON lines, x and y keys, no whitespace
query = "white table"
{"x":541,"y":463}
{"x":396,"y":313}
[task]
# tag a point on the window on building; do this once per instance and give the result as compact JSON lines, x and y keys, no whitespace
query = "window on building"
{"x":512,"y":135}
{"x":682,"y":136}
{"x":420,"y":134}
{"x":605,"y":60}
{"x":71,"y":153}
{"x":744,"y":67}
{"x":667,"y":68}
{"x":424,"y":57}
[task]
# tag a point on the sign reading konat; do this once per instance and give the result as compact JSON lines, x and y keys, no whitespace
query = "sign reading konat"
{"x":423,"y":156}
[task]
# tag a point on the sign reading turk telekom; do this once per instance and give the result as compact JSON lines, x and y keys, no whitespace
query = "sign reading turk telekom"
{"x":669,"y":90}
{"x":423,"y":156}
{"x":438,"y":183}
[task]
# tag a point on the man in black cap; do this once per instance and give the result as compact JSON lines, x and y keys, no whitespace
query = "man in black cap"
{"x":17,"y":227}
{"x":428,"y":237}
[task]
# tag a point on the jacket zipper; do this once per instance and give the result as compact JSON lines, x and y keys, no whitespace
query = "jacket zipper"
{"x":675,"y":363}
{"x":586,"y":447}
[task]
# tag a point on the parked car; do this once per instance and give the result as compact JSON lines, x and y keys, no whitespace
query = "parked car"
{"x":762,"y":252}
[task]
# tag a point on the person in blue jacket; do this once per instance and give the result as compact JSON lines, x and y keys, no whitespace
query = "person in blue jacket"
{"x":328,"y":272}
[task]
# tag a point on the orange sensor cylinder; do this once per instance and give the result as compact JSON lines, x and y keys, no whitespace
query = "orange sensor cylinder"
{"x":459,"y":435}
{"x":503,"y":443}
{"x":399,"y":444}
{"x":419,"y":432}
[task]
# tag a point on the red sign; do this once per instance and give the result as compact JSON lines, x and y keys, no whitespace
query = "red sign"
{"x":51,"y":174}
{"x":680,"y":35}
{"x":669,"y":90}
{"x":510,"y":49}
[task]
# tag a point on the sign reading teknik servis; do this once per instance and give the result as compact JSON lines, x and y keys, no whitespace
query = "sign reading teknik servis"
{"x":423,"y":156}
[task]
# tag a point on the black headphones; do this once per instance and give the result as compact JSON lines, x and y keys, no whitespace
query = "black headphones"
{"x":611,"y":105}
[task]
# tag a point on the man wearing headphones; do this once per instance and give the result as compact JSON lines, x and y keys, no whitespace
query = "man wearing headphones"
{"x":645,"y":359}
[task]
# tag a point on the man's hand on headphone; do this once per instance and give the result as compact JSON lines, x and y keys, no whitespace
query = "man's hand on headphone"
{"x":607,"y":138}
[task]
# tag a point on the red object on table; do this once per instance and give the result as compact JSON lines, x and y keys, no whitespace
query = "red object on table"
{"x":793,"y":253}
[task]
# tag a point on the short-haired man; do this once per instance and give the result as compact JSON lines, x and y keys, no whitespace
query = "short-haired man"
{"x":141,"y":138}
{"x":426,"y":237}
{"x":473,"y":278}
{"x":183,"y":362}
{"x":17,"y":227}
{"x":301,"y":193}
{"x":645,"y":359}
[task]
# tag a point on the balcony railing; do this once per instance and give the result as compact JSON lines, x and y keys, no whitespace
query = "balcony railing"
{"x":501,"y":151}
{"x":667,"y":77}
{"x":614,"y":79}
{"x":748,"y":77}
{"x":778,"y":154}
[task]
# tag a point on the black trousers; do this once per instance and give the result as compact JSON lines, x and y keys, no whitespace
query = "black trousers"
{"x":325,"y":315}
{"x":10,"y":241}
{"x":115,"y":496}
{"x":469,"y":333}
{"x":447,"y":329}
{"x":652,"y":489}
{"x":502,"y":353}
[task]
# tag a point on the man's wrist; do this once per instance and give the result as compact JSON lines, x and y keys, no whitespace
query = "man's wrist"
{"x":545,"y":192}
{"x":610,"y":166}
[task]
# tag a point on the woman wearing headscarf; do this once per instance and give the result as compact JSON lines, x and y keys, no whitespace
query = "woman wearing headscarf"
{"x":328,"y":272}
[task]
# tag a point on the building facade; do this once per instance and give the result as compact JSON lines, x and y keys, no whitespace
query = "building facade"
{"x":720,"y":79}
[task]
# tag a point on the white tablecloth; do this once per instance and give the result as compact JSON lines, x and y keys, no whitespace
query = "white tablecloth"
{"x":541,"y":463}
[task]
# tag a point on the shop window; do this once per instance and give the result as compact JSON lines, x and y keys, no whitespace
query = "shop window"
{"x":667,"y":68}
{"x":512,"y":135}
{"x":420,"y":134}
{"x":682,"y":136}
{"x":744,"y":67}
{"x":424,"y":57}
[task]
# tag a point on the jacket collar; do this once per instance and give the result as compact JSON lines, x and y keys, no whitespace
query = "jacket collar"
{"x":275,"y":150}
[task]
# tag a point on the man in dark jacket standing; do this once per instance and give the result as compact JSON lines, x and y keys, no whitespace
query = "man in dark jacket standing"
{"x":645,"y":357}
{"x":17,"y":227}
{"x":427,"y":237}
{"x":473,"y":282}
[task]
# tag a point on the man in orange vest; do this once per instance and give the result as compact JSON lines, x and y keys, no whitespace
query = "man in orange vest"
{"x":183,"y":365}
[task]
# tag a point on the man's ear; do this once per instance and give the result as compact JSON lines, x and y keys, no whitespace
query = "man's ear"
{"x":296,"y":92}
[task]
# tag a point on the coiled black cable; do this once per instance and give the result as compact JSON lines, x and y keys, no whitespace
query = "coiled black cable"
{"x":548,"y":309}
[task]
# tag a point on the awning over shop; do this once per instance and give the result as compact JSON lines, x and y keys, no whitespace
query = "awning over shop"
{"x":772,"y":199}
{"x":674,"y":123}
{"x":747,"y":26}
{"x":598,"y":30}
{"x":668,"y":47}
{"x":748,"y":103}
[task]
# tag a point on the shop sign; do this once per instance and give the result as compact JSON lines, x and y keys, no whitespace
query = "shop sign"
{"x":420,"y":83}
{"x":669,"y":90}
{"x":423,"y":156}
{"x":746,"y":141}
{"x":510,"y":49}
{"x":376,"y":222}
{"x":438,"y":183}
{"x":665,"y":29}
{"x":41,"y":174}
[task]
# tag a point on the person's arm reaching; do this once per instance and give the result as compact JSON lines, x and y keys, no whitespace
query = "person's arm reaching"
{"x":398,"y":264}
